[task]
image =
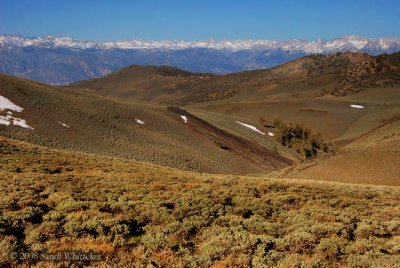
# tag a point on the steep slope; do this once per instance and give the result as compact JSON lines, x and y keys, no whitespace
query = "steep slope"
{"x":63,"y":118}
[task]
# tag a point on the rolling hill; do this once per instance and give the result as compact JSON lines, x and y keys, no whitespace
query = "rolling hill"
{"x":63,"y":118}
{"x":146,"y":83}
{"x":305,"y":91}
{"x":343,"y":96}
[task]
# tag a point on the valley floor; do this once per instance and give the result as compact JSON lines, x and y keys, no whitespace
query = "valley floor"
{"x":137,"y":214}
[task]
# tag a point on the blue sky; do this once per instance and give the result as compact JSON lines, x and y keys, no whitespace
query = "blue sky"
{"x":200,"y":20}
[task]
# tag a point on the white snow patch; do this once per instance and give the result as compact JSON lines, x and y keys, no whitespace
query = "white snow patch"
{"x":357,"y":106}
{"x":21,"y":122}
{"x":63,"y":124}
{"x":184,"y":117}
{"x":139,"y":121}
{"x":271,"y":134}
{"x":7,"y":104}
{"x":251,"y":127}
{"x":7,"y":120}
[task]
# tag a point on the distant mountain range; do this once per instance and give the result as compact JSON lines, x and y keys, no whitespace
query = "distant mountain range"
{"x":63,"y":60}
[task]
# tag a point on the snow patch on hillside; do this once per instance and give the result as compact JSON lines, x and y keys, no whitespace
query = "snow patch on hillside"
{"x":8,"y":119}
{"x":5,"y":120}
{"x":184,"y":117}
{"x":357,"y":106}
{"x":63,"y":124}
{"x":139,"y":121}
{"x":6,"y":104}
{"x":251,"y":127}
{"x":21,"y":122}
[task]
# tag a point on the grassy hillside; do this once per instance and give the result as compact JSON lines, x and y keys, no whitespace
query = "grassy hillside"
{"x":332,"y":116}
{"x":105,"y":126}
{"x":136,"y":214}
{"x":306,"y":96}
{"x":374,"y":158}
{"x":314,"y":100}
{"x":298,"y":92}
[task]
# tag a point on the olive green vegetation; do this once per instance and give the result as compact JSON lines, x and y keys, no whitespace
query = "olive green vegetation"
{"x":301,"y":139}
{"x":137,"y":214}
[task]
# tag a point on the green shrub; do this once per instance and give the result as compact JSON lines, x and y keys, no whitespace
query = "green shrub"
{"x":301,"y":139}
{"x":299,"y":242}
{"x":7,"y":245}
{"x":263,"y":258}
{"x":331,"y":248}
{"x":154,"y":238}
{"x":364,"y":246}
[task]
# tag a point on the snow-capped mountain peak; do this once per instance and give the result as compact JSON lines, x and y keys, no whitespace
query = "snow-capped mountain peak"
{"x":345,"y":43}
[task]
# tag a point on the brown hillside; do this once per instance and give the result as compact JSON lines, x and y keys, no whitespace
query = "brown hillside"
{"x":379,"y":71}
{"x":147,"y":83}
{"x":106,"y":126}
{"x":312,"y":93}
{"x":174,"y":86}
